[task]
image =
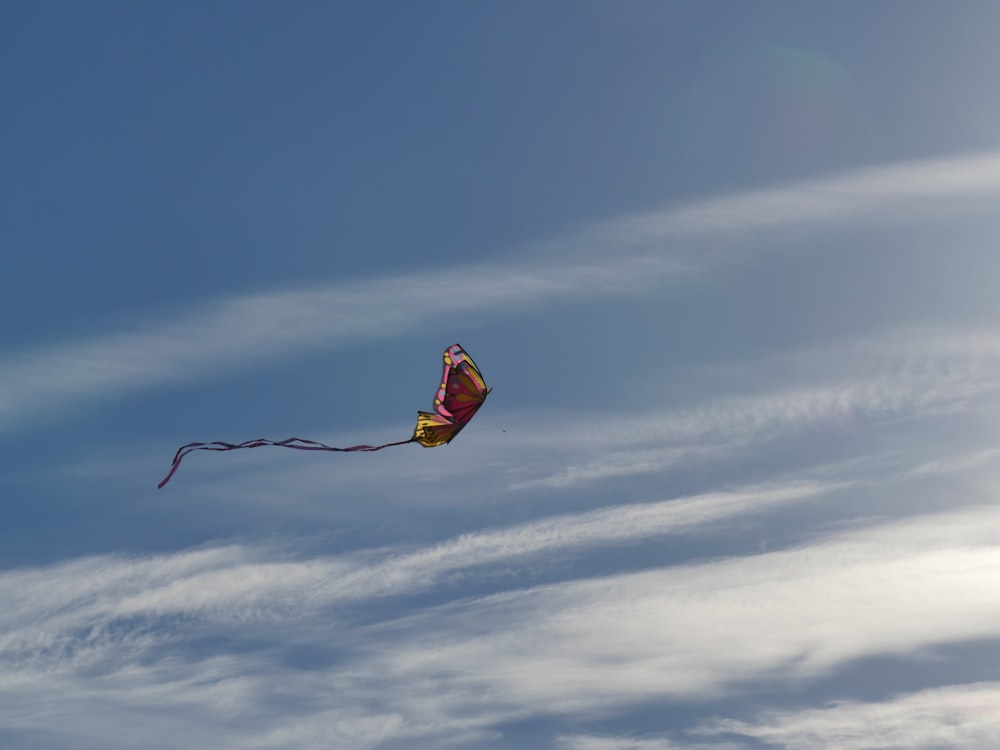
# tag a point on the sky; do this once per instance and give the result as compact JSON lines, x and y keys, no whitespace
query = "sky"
{"x":730,"y":269}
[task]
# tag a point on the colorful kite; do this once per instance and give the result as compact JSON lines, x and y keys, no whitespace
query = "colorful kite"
{"x":462,"y":392}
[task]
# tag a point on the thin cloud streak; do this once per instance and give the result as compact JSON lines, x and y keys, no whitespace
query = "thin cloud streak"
{"x":960,"y":717}
{"x":865,"y":192}
{"x":610,"y":742}
{"x":933,"y":374}
{"x":618,"y":257}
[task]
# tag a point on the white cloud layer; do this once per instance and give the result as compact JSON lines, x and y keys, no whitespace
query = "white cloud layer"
{"x":701,"y":629}
{"x":182,"y":635}
{"x":235,"y":583}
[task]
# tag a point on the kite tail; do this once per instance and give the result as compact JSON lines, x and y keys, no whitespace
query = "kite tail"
{"x":297,"y":443}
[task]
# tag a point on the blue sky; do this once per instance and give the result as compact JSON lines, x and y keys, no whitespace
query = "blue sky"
{"x":730,"y":268}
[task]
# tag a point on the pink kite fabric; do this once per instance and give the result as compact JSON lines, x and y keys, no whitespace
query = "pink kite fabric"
{"x":462,"y":391}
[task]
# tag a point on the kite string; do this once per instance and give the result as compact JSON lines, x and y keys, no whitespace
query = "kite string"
{"x":294,"y":443}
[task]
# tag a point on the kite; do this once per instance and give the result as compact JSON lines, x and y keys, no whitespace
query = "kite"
{"x":461,"y":393}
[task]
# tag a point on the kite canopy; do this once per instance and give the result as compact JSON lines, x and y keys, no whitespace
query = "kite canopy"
{"x":462,"y":391}
{"x":459,"y":397}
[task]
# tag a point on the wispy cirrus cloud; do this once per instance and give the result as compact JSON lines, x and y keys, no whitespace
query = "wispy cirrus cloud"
{"x":136,"y":623}
{"x":619,"y":256}
{"x":961,"y":717}
{"x":214,"y":633}
{"x":237,"y":582}
{"x":878,"y":380}
{"x":613,"y":742}
{"x":700,"y":630}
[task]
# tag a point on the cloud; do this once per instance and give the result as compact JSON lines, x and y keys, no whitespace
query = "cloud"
{"x":617,"y":257}
{"x":213,"y":633}
{"x":907,"y":374}
{"x":626,"y":742}
{"x":237,"y":583}
{"x":609,"y":742}
{"x":955,"y":464}
{"x":701,"y":630}
{"x":960,"y":717}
